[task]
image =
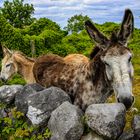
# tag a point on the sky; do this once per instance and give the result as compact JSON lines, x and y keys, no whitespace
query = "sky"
{"x":99,"y":11}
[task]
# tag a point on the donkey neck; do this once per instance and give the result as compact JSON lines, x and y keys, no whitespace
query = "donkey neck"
{"x":24,"y":67}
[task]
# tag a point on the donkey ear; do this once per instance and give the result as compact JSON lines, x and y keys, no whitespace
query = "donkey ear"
{"x":6,"y":51}
{"x":96,"y":35}
{"x":126,"y":27}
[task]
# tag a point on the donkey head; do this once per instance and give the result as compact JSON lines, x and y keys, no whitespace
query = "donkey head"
{"x":8,"y":66}
{"x":117,"y":58}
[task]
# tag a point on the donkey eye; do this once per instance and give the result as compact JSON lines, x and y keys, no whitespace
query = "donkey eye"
{"x":8,"y":65}
{"x":107,"y":64}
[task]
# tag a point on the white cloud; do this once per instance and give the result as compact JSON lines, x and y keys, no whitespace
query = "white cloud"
{"x":94,"y":1}
{"x":53,"y":2}
{"x":98,"y":10}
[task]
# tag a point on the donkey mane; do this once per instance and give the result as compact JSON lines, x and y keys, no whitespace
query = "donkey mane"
{"x":94,"y":52}
{"x":23,"y":55}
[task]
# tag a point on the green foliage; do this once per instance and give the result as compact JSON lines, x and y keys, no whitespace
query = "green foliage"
{"x":15,"y":127}
{"x":76,"y":23}
{"x":2,"y":105}
{"x":39,"y":26}
{"x":17,"y":79}
{"x":62,"y":49}
{"x":80,"y":42}
{"x":17,"y":13}
{"x":73,"y":43}
{"x":20,"y":39}
{"x":10,"y":36}
{"x":108,"y":27}
{"x":49,"y":38}
{"x":87,"y":129}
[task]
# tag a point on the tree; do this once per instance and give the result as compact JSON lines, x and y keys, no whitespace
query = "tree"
{"x":17,"y":13}
{"x":76,"y":23}
{"x":40,"y":25}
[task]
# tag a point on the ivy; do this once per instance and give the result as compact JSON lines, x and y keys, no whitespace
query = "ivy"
{"x":15,"y":127}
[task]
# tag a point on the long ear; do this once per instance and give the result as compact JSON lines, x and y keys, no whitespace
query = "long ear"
{"x":126,"y":27}
{"x":6,"y":51}
{"x":96,"y":35}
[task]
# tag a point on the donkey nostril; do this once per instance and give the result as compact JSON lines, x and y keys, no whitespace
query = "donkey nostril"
{"x":3,"y":80}
{"x":126,"y":101}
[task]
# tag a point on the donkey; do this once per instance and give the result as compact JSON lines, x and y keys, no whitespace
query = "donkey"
{"x":93,"y":81}
{"x":17,"y":62}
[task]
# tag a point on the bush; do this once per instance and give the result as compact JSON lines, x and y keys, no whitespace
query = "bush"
{"x":39,"y":26}
{"x":43,"y":32}
{"x":81,"y":42}
{"x":62,"y":49}
{"x":16,"y":127}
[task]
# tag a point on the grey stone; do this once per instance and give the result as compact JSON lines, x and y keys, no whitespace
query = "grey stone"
{"x":92,"y":136}
{"x":65,"y":122}
{"x":128,"y":135}
{"x":8,"y":93}
{"x":41,"y":104}
{"x":21,"y":98}
{"x":136,"y":126}
{"x":35,"y":86}
{"x":107,"y":120}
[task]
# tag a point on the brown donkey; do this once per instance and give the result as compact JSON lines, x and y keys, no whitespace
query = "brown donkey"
{"x":17,"y":62}
{"x":93,"y":81}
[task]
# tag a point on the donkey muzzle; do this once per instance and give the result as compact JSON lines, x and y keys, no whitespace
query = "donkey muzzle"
{"x":3,"y":79}
{"x":128,"y":102}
